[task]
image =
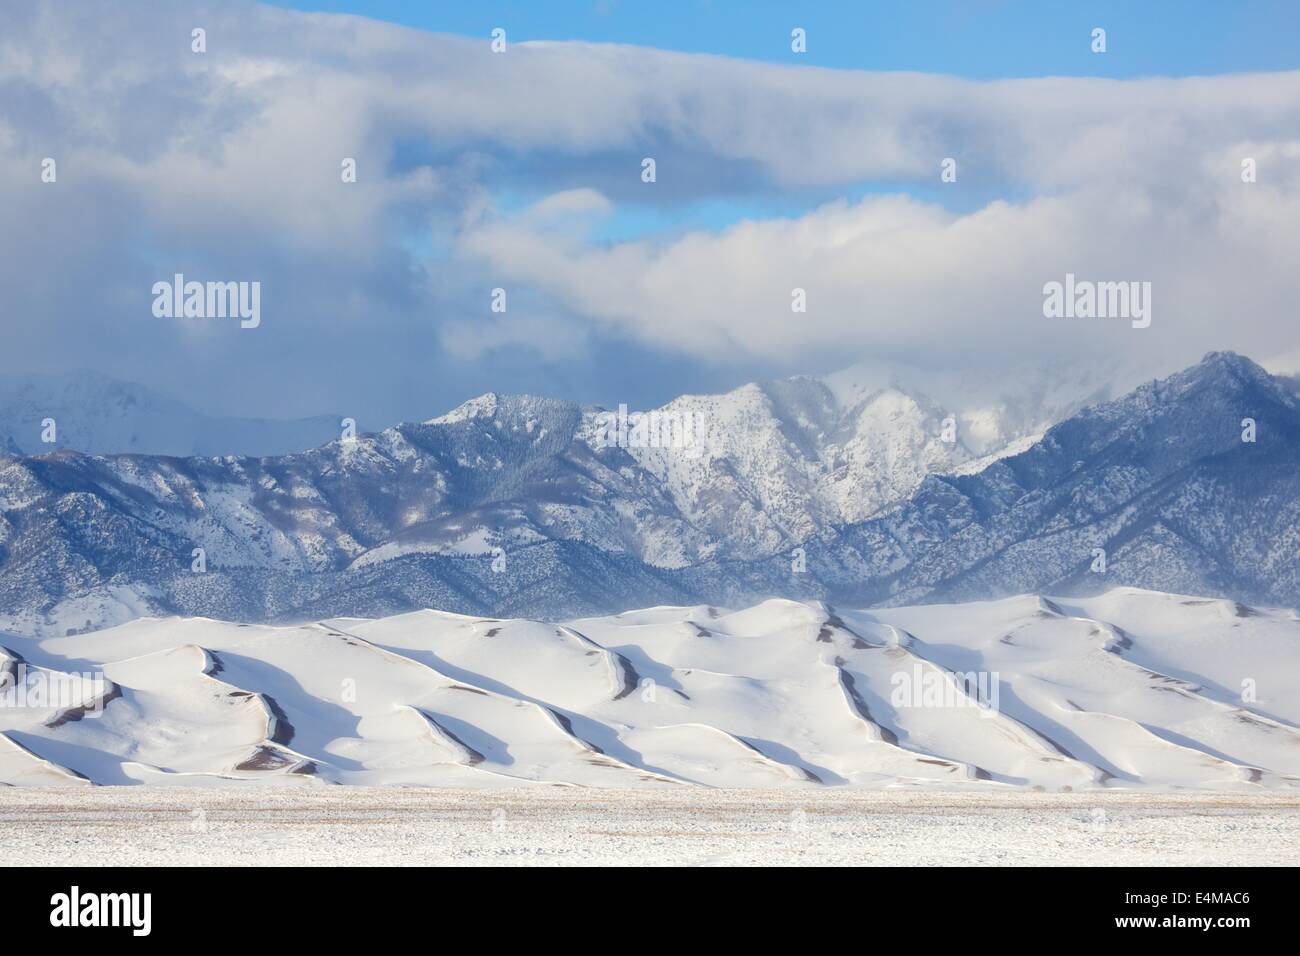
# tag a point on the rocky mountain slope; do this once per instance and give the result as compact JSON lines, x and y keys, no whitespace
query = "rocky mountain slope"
{"x":842,"y":488}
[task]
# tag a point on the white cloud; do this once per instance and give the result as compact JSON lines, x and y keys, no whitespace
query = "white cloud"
{"x":570,"y":203}
{"x":895,"y":274}
{"x":230,"y":160}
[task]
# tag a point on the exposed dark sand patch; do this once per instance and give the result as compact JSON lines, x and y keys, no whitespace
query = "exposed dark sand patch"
{"x":937,"y":762}
{"x":833,"y":620}
{"x":281,"y":730}
{"x":796,"y":768}
{"x":629,"y":679}
{"x":73,"y":714}
{"x":215,"y":663}
{"x":266,"y":758}
{"x":856,"y":701}
{"x":472,"y":756}
{"x":1122,"y":641}
{"x":567,"y":724}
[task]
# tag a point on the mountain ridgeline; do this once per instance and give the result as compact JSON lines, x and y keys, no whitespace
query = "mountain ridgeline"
{"x":806,"y":489}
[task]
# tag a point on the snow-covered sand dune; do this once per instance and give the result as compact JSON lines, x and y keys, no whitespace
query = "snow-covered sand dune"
{"x":1131,"y":688}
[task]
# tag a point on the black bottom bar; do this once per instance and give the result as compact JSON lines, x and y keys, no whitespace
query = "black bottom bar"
{"x":334,"y":906}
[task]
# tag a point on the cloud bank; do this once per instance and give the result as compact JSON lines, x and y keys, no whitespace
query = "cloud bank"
{"x":478,"y":170}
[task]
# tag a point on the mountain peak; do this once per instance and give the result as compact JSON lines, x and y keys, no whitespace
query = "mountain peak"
{"x":1231,"y":361}
{"x":1231,"y":371}
{"x":482,"y":406}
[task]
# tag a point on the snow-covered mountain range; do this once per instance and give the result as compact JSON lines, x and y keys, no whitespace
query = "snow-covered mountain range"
{"x":865,"y":488}
{"x":1129,"y":689}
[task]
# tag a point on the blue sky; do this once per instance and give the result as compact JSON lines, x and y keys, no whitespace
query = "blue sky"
{"x":979,"y":39}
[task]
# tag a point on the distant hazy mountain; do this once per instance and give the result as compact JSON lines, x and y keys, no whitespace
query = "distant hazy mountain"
{"x":841,"y":488}
{"x":99,"y":415}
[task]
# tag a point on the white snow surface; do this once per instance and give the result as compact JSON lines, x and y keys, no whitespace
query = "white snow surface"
{"x":1128,"y":689}
{"x":686,"y":826}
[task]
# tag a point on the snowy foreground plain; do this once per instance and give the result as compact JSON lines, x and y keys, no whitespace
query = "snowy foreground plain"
{"x":1131,"y":689}
{"x":352,"y":826}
